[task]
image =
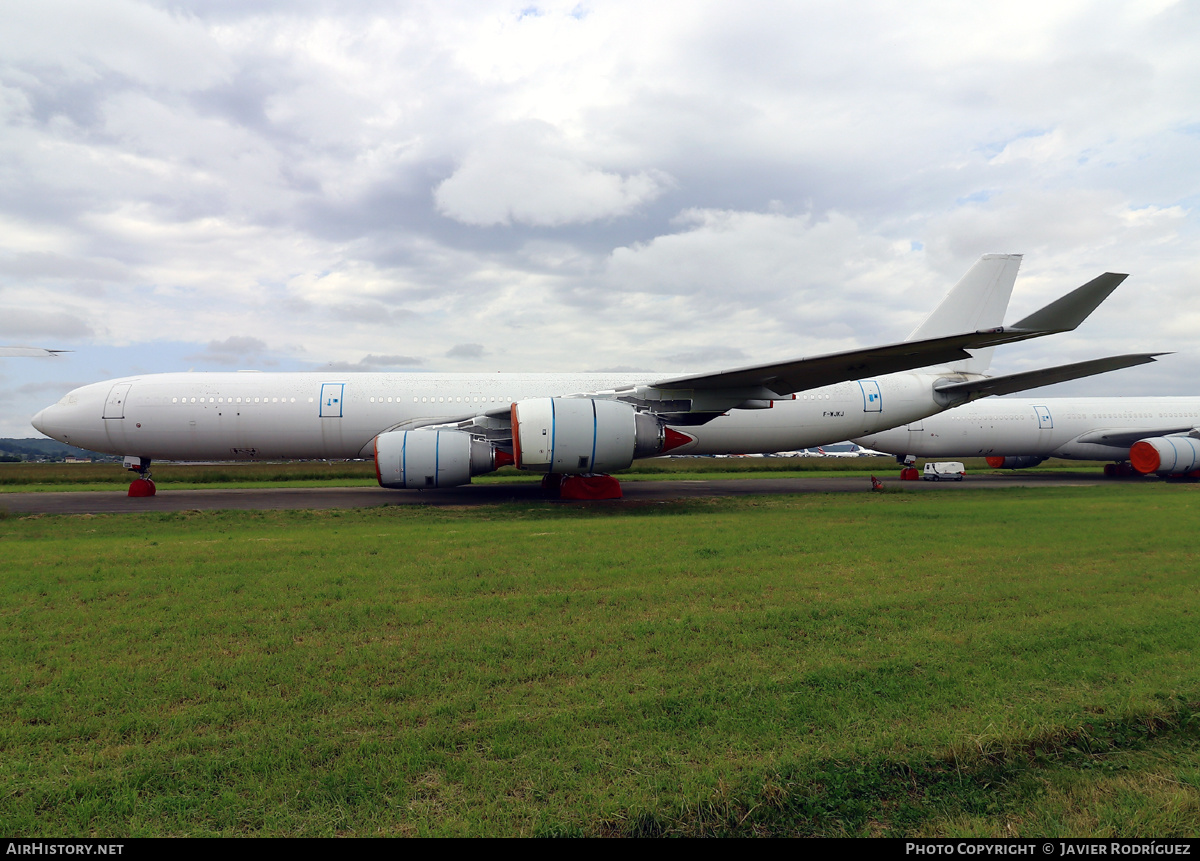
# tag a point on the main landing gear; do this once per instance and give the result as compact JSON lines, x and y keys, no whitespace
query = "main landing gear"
{"x":1124,"y":469}
{"x":582,"y":486}
{"x":142,"y":485}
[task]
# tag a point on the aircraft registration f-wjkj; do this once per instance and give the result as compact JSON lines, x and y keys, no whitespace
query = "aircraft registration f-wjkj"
{"x":428,"y":430}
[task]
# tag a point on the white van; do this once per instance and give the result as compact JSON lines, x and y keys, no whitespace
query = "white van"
{"x":949,"y":471}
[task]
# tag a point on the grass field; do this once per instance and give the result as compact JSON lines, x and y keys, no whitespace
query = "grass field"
{"x":1003,"y":662}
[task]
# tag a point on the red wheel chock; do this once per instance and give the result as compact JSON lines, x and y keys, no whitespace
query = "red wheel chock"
{"x":141,"y":487}
{"x":589,"y":487}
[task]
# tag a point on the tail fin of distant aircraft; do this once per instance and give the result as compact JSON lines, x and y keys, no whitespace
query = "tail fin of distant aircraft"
{"x":978,"y":302}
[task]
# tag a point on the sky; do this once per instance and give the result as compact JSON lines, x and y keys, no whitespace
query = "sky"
{"x":583,"y":186}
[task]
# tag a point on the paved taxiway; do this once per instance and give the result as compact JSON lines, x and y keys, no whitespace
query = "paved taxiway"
{"x":116,"y":502}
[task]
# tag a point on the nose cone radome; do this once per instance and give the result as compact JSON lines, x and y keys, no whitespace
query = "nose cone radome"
{"x":39,"y":421}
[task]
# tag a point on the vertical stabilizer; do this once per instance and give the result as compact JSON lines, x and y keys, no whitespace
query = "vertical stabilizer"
{"x":978,"y":301}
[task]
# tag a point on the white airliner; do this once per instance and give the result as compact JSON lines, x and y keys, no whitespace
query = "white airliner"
{"x":1141,"y":435}
{"x":30,"y":352}
{"x":427,"y":430}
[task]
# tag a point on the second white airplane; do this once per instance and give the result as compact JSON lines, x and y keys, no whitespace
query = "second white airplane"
{"x":427,"y":430}
{"x":1140,"y":435}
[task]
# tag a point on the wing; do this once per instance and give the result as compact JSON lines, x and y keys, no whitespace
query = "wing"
{"x":1124,"y":438}
{"x":795,"y":375}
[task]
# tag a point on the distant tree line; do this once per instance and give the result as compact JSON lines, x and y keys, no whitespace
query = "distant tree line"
{"x":17,"y":450}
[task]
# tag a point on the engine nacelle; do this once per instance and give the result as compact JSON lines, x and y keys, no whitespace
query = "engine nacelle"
{"x":431,"y":458}
{"x":585,"y":435}
{"x":1017,"y":462}
{"x":1165,"y":455}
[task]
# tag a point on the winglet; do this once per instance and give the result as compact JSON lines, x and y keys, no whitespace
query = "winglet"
{"x":1064,"y":314}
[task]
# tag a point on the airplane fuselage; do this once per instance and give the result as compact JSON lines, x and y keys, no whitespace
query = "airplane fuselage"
{"x":1072,"y":428}
{"x":251,"y":415}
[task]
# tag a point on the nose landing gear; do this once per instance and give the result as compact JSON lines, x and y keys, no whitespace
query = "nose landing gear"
{"x":142,"y":485}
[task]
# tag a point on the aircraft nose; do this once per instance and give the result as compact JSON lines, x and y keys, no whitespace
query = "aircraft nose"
{"x":39,"y":421}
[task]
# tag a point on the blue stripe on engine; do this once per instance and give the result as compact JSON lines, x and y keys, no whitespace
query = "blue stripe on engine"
{"x":595,"y":424}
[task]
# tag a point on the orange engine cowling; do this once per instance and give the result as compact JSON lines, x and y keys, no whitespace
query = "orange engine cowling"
{"x":1165,"y":455}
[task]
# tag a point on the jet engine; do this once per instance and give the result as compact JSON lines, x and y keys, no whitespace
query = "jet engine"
{"x":433,"y":458}
{"x":585,"y":435}
{"x":1018,"y":462}
{"x":1165,"y":455}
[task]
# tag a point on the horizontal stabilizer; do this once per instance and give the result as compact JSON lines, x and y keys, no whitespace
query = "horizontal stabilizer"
{"x":1065,"y":314}
{"x":1010,"y":383}
{"x":797,"y":375}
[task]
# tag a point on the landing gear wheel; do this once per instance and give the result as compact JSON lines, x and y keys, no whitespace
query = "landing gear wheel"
{"x":1124,"y":469}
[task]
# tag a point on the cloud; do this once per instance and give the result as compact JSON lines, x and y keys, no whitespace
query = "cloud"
{"x":372,"y":362}
{"x":466,"y":351}
{"x":525,"y":175}
{"x":50,"y":387}
{"x":234,"y":350}
{"x":707,"y":357}
{"x":26,"y":323}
